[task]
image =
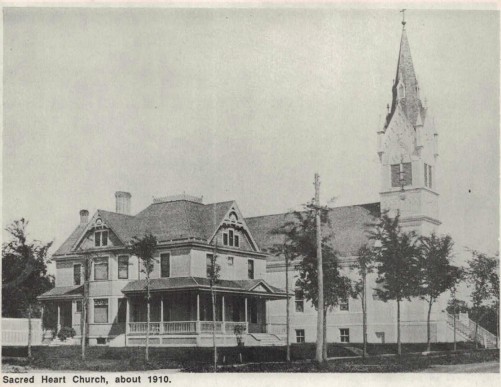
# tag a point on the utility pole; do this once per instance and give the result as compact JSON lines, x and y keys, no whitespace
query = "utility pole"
{"x":320,"y":308}
{"x":288,"y":350}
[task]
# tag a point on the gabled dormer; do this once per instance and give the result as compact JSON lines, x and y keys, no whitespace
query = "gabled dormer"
{"x":233,"y":233}
{"x":100,"y":233}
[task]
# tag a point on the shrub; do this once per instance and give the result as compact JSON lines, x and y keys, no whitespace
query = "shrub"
{"x":65,"y":332}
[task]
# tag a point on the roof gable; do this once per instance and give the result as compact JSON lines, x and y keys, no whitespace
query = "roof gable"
{"x":233,"y":218}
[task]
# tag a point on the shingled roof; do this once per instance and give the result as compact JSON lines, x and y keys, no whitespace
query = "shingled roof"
{"x":347,"y":224}
{"x":75,"y":291}
{"x":170,"y":220}
{"x":179,"y":283}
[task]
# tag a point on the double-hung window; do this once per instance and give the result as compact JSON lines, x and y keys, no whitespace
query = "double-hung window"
{"x":250,"y":269}
{"x":101,"y":238}
{"x":299,"y":300}
{"x":231,"y":238}
{"x":123,"y":267}
{"x":101,"y":269}
{"x":299,"y":335}
{"x":77,"y":274}
{"x":100,"y":310}
{"x":165,"y":265}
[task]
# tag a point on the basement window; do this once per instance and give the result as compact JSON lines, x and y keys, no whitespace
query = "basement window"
{"x":344,"y":334}
{"x":299,"y":335}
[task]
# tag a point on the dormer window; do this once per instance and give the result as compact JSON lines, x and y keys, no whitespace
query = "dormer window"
{"x":231,"y":238}
{"x":101,"y":238}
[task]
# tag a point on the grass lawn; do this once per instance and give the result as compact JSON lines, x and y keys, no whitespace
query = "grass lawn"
{"x":256,"y":359}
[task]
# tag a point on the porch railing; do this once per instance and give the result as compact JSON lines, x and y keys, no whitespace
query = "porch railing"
{"x":184,"y":327}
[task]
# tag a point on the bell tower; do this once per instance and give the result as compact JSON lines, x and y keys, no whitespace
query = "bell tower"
{"x":407,"y":149}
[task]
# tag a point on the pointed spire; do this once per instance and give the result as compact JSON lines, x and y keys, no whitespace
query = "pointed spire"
{"x":405,"y":85}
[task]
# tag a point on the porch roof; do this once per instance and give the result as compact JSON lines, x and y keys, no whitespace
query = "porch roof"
{"x":258,"y":287}
{"x":63,"y":292}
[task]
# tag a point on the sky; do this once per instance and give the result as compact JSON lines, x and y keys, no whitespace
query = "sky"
{"x":239,"y":104}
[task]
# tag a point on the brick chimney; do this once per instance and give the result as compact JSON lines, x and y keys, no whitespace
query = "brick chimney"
{"x":84,"y":216}
{"x":122,"y":202}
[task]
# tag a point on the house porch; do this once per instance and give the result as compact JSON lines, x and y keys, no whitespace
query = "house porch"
{"x":185,"y":319}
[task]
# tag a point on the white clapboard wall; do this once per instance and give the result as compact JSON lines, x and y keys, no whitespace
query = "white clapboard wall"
{"x":15,"y":331}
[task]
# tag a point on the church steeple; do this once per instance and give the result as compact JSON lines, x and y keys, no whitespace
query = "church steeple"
{"x":407,"y":149}
{"x":405,"y":86}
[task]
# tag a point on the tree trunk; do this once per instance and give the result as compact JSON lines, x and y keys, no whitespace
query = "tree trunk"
{"x":364,"y":314}
{"x":428,"y":327}
{"x":476,"y":334}
{"x":399,"y":344}
{"x":213,"y":297}
{"x":497,"y":327}
{"x":29,"y":331}
{"x":83,"y":316}
{"x":287,"y":323}
{"x":147,"y":349}
{"x":324,"y":335}
{"x":455,"y":343}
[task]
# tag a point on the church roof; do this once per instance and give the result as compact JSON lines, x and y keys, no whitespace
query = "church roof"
{"x":170,"y":220}
{"x":348,"y":225}
{"x":406,"y":76}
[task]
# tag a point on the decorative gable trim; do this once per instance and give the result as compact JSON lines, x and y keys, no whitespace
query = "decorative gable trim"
{"x":97,"y":222}
{"x":234,"y":218}
{"x":260,"y":287}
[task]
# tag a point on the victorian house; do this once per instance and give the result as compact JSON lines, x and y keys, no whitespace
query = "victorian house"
{"x":188,"y":234}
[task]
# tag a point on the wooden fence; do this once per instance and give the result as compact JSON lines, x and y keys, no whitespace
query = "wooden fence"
{"x":15,"y":331}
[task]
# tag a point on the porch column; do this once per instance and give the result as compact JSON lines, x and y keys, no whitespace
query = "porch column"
{"x":246,"y":322}
{"x":58,"y":317}
{"x":198,"y":314}
{"x":41,"y":317}
{"x":223,"y":327}
{"x":127,"y":317}
{"x":162,"y":314}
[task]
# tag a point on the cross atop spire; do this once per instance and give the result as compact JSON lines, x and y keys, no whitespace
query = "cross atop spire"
{"x":403,"y":17}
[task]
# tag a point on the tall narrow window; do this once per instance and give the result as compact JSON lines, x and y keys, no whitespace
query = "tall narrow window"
{"x":395,"y":175}
{"x":225,"y":239}
{"x":123,"y":267}
{"x":230,"y":237}
{"x":209,"y":263}
{"x":426,"y":175}
{"x":78,"y":306}
{"x":165,"y":265}
{"x":250,"y":269}
{"x":407,"y":173}
{"x":101,"y":310}
{"x":101,"y":269}
{"x":299,"y":300}
{"x":429,"y":176}
{"x":237,"y":240}
{"x":77,"y":274}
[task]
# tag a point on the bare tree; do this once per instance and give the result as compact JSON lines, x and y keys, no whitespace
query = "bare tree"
{"x":144,"y":248}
